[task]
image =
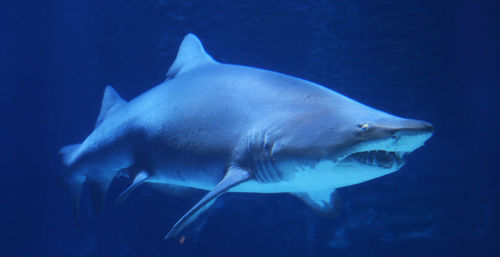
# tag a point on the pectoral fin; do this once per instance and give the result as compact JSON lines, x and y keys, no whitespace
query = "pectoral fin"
{"x":325,"y":202}
{"x":234,"y":176}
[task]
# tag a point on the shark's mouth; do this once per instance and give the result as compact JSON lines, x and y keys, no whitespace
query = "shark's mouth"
{"x":379,"y":158}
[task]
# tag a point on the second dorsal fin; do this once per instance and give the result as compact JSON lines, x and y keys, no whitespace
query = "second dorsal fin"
{"x":191,"y":54}
{"x":110,"y":102}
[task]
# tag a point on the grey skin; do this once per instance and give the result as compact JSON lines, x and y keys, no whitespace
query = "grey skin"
{"x":222,"y":127}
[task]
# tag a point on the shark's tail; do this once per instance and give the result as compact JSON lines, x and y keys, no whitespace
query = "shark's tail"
{"x":68,"y":153}
{"x":97,"y":174}
{"x":72,"y":179}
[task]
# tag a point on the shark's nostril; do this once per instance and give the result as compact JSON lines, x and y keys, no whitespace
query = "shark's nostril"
{"x":422,"y":126}
{"x":413,"y":127}
{"x":429,"y":127}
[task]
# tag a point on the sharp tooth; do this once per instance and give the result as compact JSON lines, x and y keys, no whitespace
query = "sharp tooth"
{"x":373,"y":157}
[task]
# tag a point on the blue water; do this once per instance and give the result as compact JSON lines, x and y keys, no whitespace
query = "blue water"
{"x":420,"y":59}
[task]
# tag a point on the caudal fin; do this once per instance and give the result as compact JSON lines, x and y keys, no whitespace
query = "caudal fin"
{"x":97,"y":174}
{"x":72,"y":180}
{"x":67,"y":153}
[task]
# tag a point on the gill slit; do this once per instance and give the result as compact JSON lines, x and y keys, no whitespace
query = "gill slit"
{"x":266,"y":172}
{"x":261,"y":147}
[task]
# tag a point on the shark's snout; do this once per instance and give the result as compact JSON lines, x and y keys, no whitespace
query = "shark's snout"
{"x":410,"y":134}
{"x":414,"y":127}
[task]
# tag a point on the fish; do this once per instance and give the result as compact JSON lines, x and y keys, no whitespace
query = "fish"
{"x":231,"y":128}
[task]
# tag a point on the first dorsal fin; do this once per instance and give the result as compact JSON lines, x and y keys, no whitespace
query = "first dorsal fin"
{"x":110,"y":102}
{"x":191,"y":54}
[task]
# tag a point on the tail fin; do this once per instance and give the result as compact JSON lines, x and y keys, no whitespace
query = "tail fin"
{"x":67,"y":153}
{"x":97,"y":176}
{"x":73,"y":181}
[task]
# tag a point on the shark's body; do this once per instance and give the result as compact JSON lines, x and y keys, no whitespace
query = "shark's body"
{"x":221,"y":127}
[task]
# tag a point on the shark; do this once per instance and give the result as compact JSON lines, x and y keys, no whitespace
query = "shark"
{"x":231,"y":128}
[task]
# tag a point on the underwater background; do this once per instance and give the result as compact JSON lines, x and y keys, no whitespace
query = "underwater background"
{"x":431,"y":60}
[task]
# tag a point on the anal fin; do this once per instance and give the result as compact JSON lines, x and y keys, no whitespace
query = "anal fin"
{"x":139,"y":179}
{"x":325,"y":202}
{"x":233,"y":177}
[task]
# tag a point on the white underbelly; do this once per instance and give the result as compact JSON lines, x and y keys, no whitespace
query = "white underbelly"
{"x":323,"y":176}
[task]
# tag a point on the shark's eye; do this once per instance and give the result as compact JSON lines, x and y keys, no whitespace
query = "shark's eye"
{"x":364,"y":126}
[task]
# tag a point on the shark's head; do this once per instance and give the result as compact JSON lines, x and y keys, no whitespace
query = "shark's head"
{"x":327,"y":146}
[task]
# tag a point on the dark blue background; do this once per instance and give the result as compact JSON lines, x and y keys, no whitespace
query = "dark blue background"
{"x":419,"y":59}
